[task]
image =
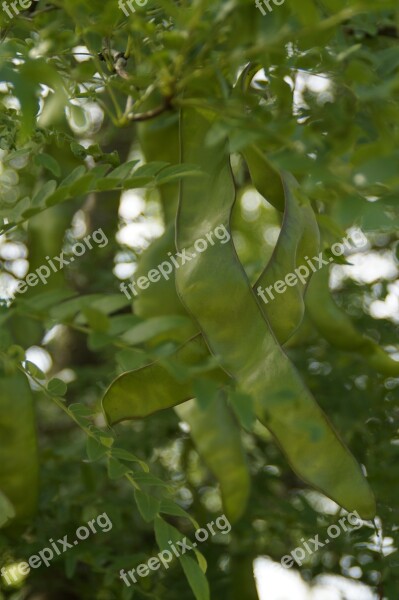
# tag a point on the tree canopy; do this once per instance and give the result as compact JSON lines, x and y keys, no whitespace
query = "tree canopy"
{"x":199,"y":296}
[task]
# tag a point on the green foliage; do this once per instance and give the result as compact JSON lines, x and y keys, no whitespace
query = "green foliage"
{"x":101,"y":113}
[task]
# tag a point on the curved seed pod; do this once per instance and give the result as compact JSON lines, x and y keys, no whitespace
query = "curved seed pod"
{"x":265,"y":178}
{"x":238,"y":334}
{"x":18,"y":446}
{"x":299,"y":237}
{"x":171,"y":390}
{"x":146,"y":390}
{"x":217,"y":437}
{"x":160,"y":298}
{"x":159,"y":140}
{"x":337,"y":328}
{"x":150,"y":388}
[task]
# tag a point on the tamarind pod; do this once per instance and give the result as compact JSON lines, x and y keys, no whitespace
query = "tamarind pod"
{"x":217,"y":437}
{"x":238,"y":334}
{"x":337,"y":328}
{"x":19,"y":465}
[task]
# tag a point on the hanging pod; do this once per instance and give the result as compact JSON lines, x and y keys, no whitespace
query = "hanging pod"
{"x":147,"y":390}
{"x":19,"y":465}
{"x":214,"y":289}
{"x":143,"y":391}
{"x":252,"y":357}
{"x":299,"y":238}
{"x":337,"y":328}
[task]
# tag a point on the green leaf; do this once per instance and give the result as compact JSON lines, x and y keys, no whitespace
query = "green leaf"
{"x":121,"y":323}
{"x":33,"y":370}
{"x":76,"y":174}
{"x":147,"y":505}
{"x":116,"y":469}
{"x":66,"y":310}
{"x":47,"y":299}
{"x":121,"y":454}
{"x":165,"y":533}
{"x":149,"y":480}
{"x":97,"y":340}
{"x":95,"y":450}
{"x":16,"y":352}
{"x":97,"y":320}
{"x":41,"y":196}
{"x":169,"y":507}
{"x":131,"y":359}
{"x":49,"y":163}
{"x":107,"y":183}
{"x":58,"y":196}
{"x":177,"y":172}
{"x":150,"y":328}
{"x":82,"y":185}
{"x":124,"y":170}
{"x":57,"y":387}
{"x":81,"y":413}
{"x":150,"y":169}
{"x":195,"y":577}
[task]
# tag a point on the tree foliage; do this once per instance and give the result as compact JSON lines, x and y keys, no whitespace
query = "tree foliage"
{"x":279,"y":134}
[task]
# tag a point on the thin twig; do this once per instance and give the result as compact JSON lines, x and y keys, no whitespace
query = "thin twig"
{"x":150,"y":114}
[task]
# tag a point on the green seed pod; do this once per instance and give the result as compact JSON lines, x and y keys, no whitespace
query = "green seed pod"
{"x":238,"y":334}
{"x":18,"y":445}
{"x":337,"y":328}
{"x":217,"y":437}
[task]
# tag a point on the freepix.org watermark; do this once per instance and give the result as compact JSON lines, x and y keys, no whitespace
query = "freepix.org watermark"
{"x":16,"y":6}
{"x":165,"y":557}
{"x":303,"y":272}
{"x":131,"y":3}
{"x":300,"y":553}
{"x":267,"y":5}
{"x":166,"y":268}
{"x":13,"y":573}
{"x":43,"y":272}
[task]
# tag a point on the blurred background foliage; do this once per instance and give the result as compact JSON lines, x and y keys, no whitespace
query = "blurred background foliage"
{"x":328,"y":74}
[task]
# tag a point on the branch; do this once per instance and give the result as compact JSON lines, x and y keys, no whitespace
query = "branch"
{"x":150,"y":114}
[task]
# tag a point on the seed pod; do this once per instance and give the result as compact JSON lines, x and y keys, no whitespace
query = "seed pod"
{"x":298,"y":238}
{"x":238,"y":334}
{"x":18,"y":445}
{"x":337,"y":328}
{"x":217,"y":437}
